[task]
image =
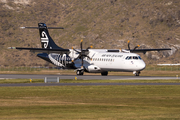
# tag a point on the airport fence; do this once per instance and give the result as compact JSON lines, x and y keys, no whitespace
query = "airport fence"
{"x":49,"y":68}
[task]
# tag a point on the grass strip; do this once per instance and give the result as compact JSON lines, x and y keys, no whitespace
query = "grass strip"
{"x":90,"y":102}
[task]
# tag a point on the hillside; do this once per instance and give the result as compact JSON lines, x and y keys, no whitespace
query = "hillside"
{"x":102,"y":24}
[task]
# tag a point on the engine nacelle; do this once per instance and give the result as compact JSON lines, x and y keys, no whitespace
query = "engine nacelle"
{"x":93,"y":69}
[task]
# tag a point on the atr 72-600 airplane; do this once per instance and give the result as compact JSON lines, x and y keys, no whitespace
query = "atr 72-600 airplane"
{"x":88,"y":60}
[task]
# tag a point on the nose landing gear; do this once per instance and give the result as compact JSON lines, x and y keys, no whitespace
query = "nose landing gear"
{"x":136,"y":73}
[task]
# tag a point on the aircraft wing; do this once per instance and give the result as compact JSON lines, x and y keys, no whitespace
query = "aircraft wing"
{"x":146,"y":50}
{"x":61,"y":51}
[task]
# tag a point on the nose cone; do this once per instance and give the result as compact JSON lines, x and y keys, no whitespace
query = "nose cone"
{"x":141,"y":65}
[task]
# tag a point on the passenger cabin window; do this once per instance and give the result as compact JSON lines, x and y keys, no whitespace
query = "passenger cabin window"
{"x":101,"y":59}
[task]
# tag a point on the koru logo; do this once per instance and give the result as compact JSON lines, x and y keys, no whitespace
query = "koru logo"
{"x":44,"y":39}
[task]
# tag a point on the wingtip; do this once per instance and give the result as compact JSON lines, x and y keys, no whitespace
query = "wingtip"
{"x":11,"y":47}
{"x":22,"y":27}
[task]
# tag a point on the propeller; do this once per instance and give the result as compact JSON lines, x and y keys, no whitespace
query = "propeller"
{"x":82,"y":53}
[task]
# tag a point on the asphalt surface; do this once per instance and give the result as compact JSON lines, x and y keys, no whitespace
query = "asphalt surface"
{"x":85,"y":77}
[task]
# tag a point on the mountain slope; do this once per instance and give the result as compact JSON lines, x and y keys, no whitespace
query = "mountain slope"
{"x":103,"y":24}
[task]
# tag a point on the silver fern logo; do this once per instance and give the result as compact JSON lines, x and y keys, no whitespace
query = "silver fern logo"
{"x":44,"y":39}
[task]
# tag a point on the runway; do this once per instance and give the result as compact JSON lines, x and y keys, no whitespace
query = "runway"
{"x":84,"y":77}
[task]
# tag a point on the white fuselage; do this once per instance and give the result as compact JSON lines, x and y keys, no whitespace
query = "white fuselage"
{"x":101,"y":60}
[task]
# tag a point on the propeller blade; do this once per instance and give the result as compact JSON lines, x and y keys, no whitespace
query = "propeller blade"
{"x":81,"y":53}
{"x":89,"y":47}
{"x":82,"y":61}
{"x":136,"y":47}
{"x":79,"y":57}
{"x":128,"y":44}
{"x":76,"y":50}
{"x":88,"y":57}
{"x":81,"y":45}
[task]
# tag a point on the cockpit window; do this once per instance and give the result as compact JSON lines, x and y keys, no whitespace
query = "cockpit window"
{"x":133,"y":57}
{"x":130,"y":57}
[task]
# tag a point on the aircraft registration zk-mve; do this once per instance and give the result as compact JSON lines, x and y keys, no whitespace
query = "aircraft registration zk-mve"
{"x":88,"y":60}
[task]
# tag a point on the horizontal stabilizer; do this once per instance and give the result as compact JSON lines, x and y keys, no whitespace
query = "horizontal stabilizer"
{"x":43,"y":27}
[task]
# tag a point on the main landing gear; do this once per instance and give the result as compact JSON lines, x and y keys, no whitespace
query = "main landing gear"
{"x":79,"y":72}
{"x":136,"y":73}
{"x":104,"y":73}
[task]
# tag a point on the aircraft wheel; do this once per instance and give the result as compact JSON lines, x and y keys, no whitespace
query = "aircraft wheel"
{"x":104,"y":73}
{"x":79,"y":72}
{"x":137,"y":73}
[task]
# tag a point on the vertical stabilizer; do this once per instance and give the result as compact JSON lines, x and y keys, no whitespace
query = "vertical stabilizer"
{"x":46,"y":40}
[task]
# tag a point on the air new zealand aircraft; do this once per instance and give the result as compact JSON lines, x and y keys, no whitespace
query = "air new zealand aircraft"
{"x":88,"y":60}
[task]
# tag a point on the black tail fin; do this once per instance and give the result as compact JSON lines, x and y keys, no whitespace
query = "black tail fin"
{"x":46,"y":40}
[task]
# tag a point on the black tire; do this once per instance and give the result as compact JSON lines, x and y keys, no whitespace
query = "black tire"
{"x":136,"y":74}
{"x":79,"y":72}
{"x":104,"y":73}
{"x":82,"y":72}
